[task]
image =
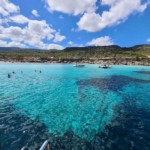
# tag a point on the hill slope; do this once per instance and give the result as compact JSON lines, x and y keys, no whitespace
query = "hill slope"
{"x":92,"y":54}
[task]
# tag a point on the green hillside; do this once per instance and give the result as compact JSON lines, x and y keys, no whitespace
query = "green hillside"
{"x":138,"y":53}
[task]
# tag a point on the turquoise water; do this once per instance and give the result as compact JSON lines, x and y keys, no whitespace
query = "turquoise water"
{"x":62,"y":97}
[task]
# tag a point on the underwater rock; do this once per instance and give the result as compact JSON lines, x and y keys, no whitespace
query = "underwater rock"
{"x":21,"y":130}
{"x":143,"y":72}
{"x":128,"y":130}
{"x":113,"y":83}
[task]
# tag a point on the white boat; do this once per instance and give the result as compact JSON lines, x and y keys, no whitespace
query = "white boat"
{"x":45,"y":146}
{"x":104,"y":66}
{"x":78,"y":65}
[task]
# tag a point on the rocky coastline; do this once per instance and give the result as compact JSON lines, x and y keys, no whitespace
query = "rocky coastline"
{"x":106,"y":60}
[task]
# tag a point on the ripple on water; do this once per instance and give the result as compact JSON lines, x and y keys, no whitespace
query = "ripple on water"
{"x":86,"y":113}
{"x":128,"y":130}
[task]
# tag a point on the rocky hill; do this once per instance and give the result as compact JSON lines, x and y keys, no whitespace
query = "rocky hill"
{"x":139,"y":54}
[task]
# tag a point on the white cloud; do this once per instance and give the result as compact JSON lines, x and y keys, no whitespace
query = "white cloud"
{"x":3,"y":43}
{"x":35,"y":13}
{"x":119,"y":11}
{"x":20,"y":19}
{"x":148,"y":40}
{"x":32,"y":33}
{"x":108,"y":2}
{"x":21,"y":37}
{"x":101,"y":41}
{"x":3,"y":11}
{"x":6,"y":8}
{"x":16,"y":44}
{"x":90,"y":22}
{"x":70,"y":43}
{"x":11,"y":44}
{"x":74,"y":7}
{"x":55,"y":46}
{"x":58,"y":37}
{"x":22,"y":45}
{"x":35,"y":30}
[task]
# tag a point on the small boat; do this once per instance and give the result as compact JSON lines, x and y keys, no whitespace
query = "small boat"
{"x":45,"y":146}
{"x":78,"y":65}
{"x":104,"y":66}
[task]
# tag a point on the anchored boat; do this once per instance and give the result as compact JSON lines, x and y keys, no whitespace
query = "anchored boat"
{"x":105,"y":66}
{"x":78,"y":65}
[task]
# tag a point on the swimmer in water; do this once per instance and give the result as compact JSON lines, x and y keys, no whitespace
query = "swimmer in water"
{"x":9,"y":75}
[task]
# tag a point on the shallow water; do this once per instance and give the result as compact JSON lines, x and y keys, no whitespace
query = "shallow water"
{"x":75,"y":108}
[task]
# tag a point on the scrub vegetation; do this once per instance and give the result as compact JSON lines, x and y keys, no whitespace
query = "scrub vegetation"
{"x":140,"y":53}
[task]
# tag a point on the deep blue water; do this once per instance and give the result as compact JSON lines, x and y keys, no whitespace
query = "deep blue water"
{"x":75,"y":108}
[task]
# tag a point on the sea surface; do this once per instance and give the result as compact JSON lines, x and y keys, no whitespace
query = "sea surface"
{"x":85,"y":108}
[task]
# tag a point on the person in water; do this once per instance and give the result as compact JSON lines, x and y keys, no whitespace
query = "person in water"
{"x":9,"y":75}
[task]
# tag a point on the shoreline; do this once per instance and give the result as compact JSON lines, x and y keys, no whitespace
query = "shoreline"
{"x":68,"y":61}
{"x":112,"y":55}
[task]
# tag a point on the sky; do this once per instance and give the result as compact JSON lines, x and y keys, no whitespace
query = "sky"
{"x":56,"y":24}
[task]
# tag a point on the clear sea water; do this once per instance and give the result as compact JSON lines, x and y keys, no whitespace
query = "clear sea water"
{"x":75,"y":108}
